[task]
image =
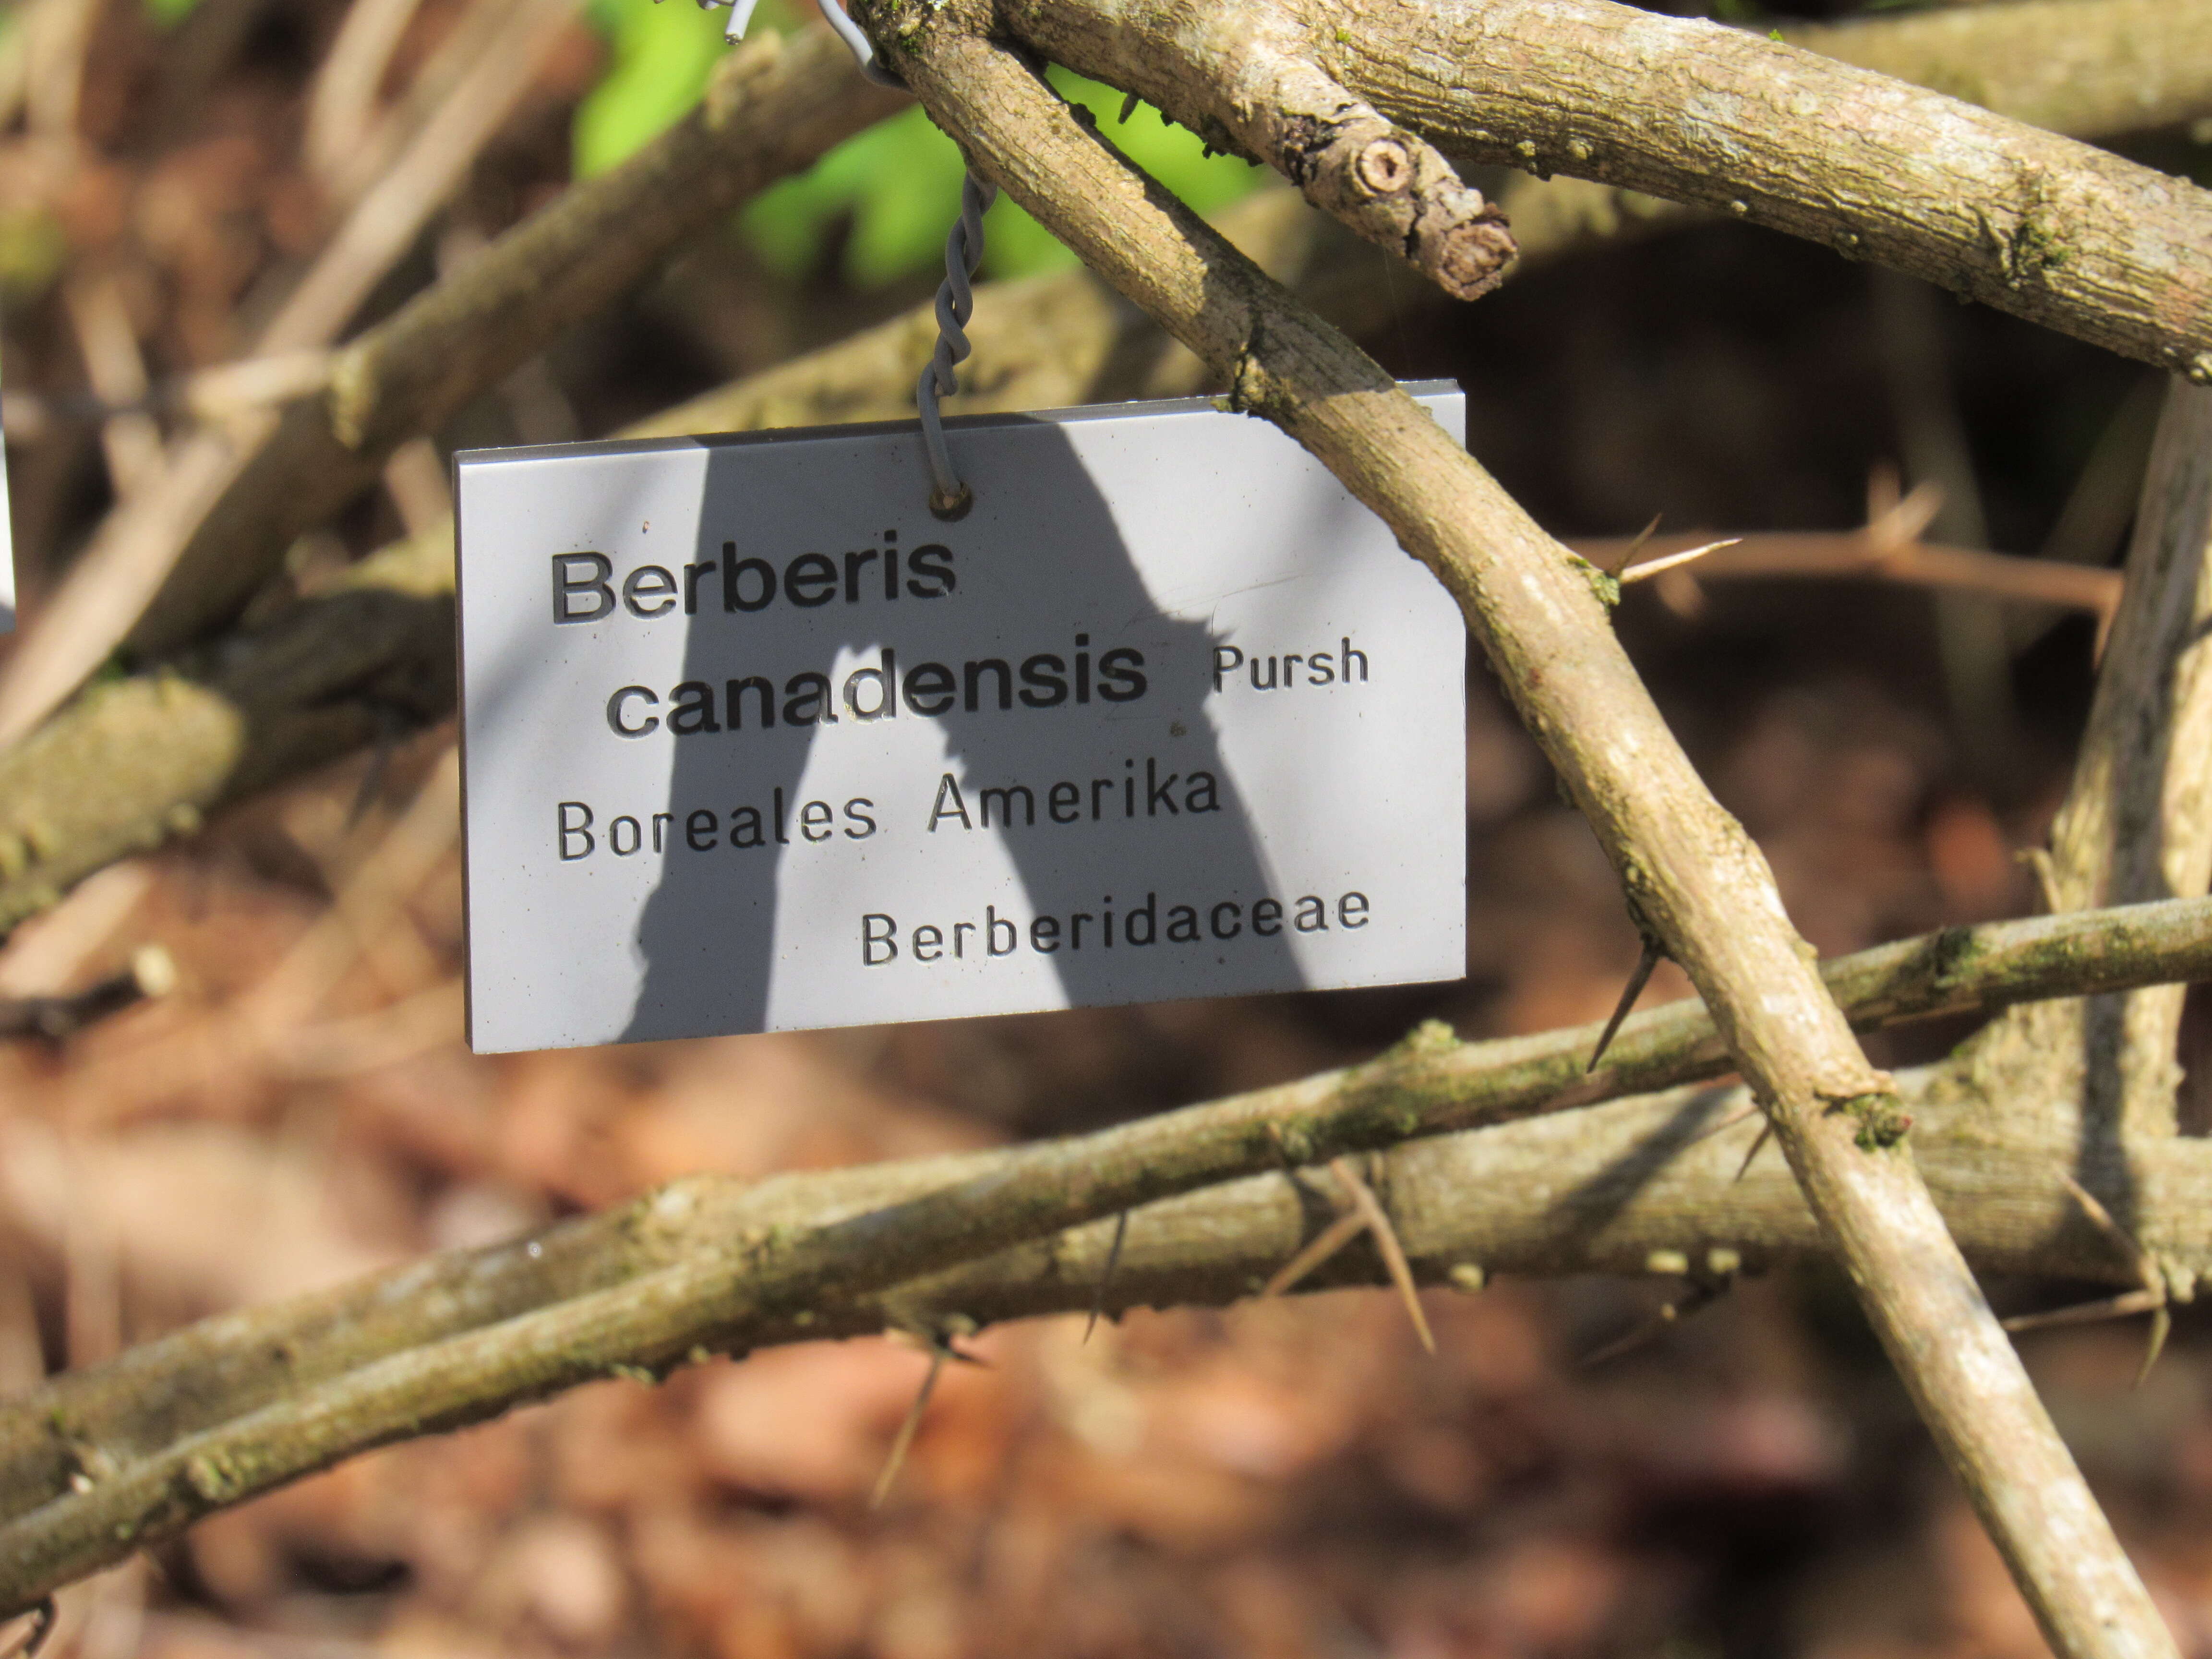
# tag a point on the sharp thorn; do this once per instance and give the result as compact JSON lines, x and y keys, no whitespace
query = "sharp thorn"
{"x":2087,"y":1313}
{"x":905,"y":1436}
{"x":1653,"y":950}
{"x":2152,"y":1297}
{"x":2161,"y":1327}
{"x":1765,"y":1134}
{"x":1651,"y":567}
{"x":1670,"y":1313}
{"x":1637,"y":545}
{"x":1386,"y":1239}
{"x":1106,"y":1274}
{"x":1129,"y":107}
{"x":1635,"y":1338}
{"x":1326,"y":1244}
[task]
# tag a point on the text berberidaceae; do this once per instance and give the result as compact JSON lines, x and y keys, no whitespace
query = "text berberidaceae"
{"x":751,"y":744}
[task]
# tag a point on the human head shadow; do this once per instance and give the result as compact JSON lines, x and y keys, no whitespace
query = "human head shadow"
{"x":1082,"y":823}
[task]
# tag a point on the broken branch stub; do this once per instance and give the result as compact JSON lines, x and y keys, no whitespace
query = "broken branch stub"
{"x":1398,"y":192}
{"x":1247,"y":79}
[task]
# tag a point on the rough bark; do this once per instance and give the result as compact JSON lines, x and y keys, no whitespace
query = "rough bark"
{"x":2021,"y":219}
{"x":1696,"y":881}
{"x":135,"y":761}
{"x":2101,"y":1075}
{"x":101,"y":1462}
{"x":2080,"y":66}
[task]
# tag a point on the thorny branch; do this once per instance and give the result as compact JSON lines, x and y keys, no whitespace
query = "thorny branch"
{"x":2052,"y":258}
{"x":102,"y":1461}
{"x":1690,"y":871}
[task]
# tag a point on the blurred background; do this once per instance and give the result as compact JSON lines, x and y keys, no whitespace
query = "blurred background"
{"x":1291,"y":1479}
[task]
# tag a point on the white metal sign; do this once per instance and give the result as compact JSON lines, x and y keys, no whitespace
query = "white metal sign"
{"x":752,"y":742}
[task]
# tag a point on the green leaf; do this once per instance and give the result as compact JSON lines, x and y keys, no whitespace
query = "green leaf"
{"x":170,"y":13}
{"x":898,"y":184}
{"x":660,"y":56}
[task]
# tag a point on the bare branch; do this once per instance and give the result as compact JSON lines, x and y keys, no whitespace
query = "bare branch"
{"x":1691,"y":872}
{"x":2137,"y":822}
{"x":2080,"y":66}
{"x":262,"y":1396}
{"x":81,"y":623}
{"x":2049,"y":229}
{"x":1861,"y":553}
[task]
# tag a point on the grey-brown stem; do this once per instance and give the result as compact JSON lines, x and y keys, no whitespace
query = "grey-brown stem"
{"x":2078,"y":66}
{"x":2102,"y":1074}
{"x":1688,"y":867}
{"x":2024,"y":221}
{"x":101,"y":1461}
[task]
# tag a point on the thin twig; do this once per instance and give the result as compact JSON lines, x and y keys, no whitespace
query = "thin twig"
{"x":1386,"y":1240}
{"x":1106,"y":1273}
{"x":343,"y":95}
{"x":897,"y":1458}
{"x":100,"y":600}
{"x":2150,"y":1299}
{"x":1339,"y":1232}
{"x":109,"y":344}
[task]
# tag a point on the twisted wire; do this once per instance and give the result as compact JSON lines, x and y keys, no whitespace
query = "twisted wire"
{"x":863,"y":48}
{"x":956,"y":296}
{"x":955,"y":303}
{"x":741,"y":17}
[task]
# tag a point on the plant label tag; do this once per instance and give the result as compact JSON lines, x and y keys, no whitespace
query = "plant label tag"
{"x":752,"y":742}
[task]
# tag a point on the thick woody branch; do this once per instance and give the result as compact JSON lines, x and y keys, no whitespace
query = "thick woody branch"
{"x":1389,"y":186}
{"x":135,"y":761}
{"x":1692,"y":874}
{"x":773,"y":108}
{"x":101,"y":1461}
{"x":2048,"y":228}
{"x":2084,"y":67}
{"x":2136,"y":823}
